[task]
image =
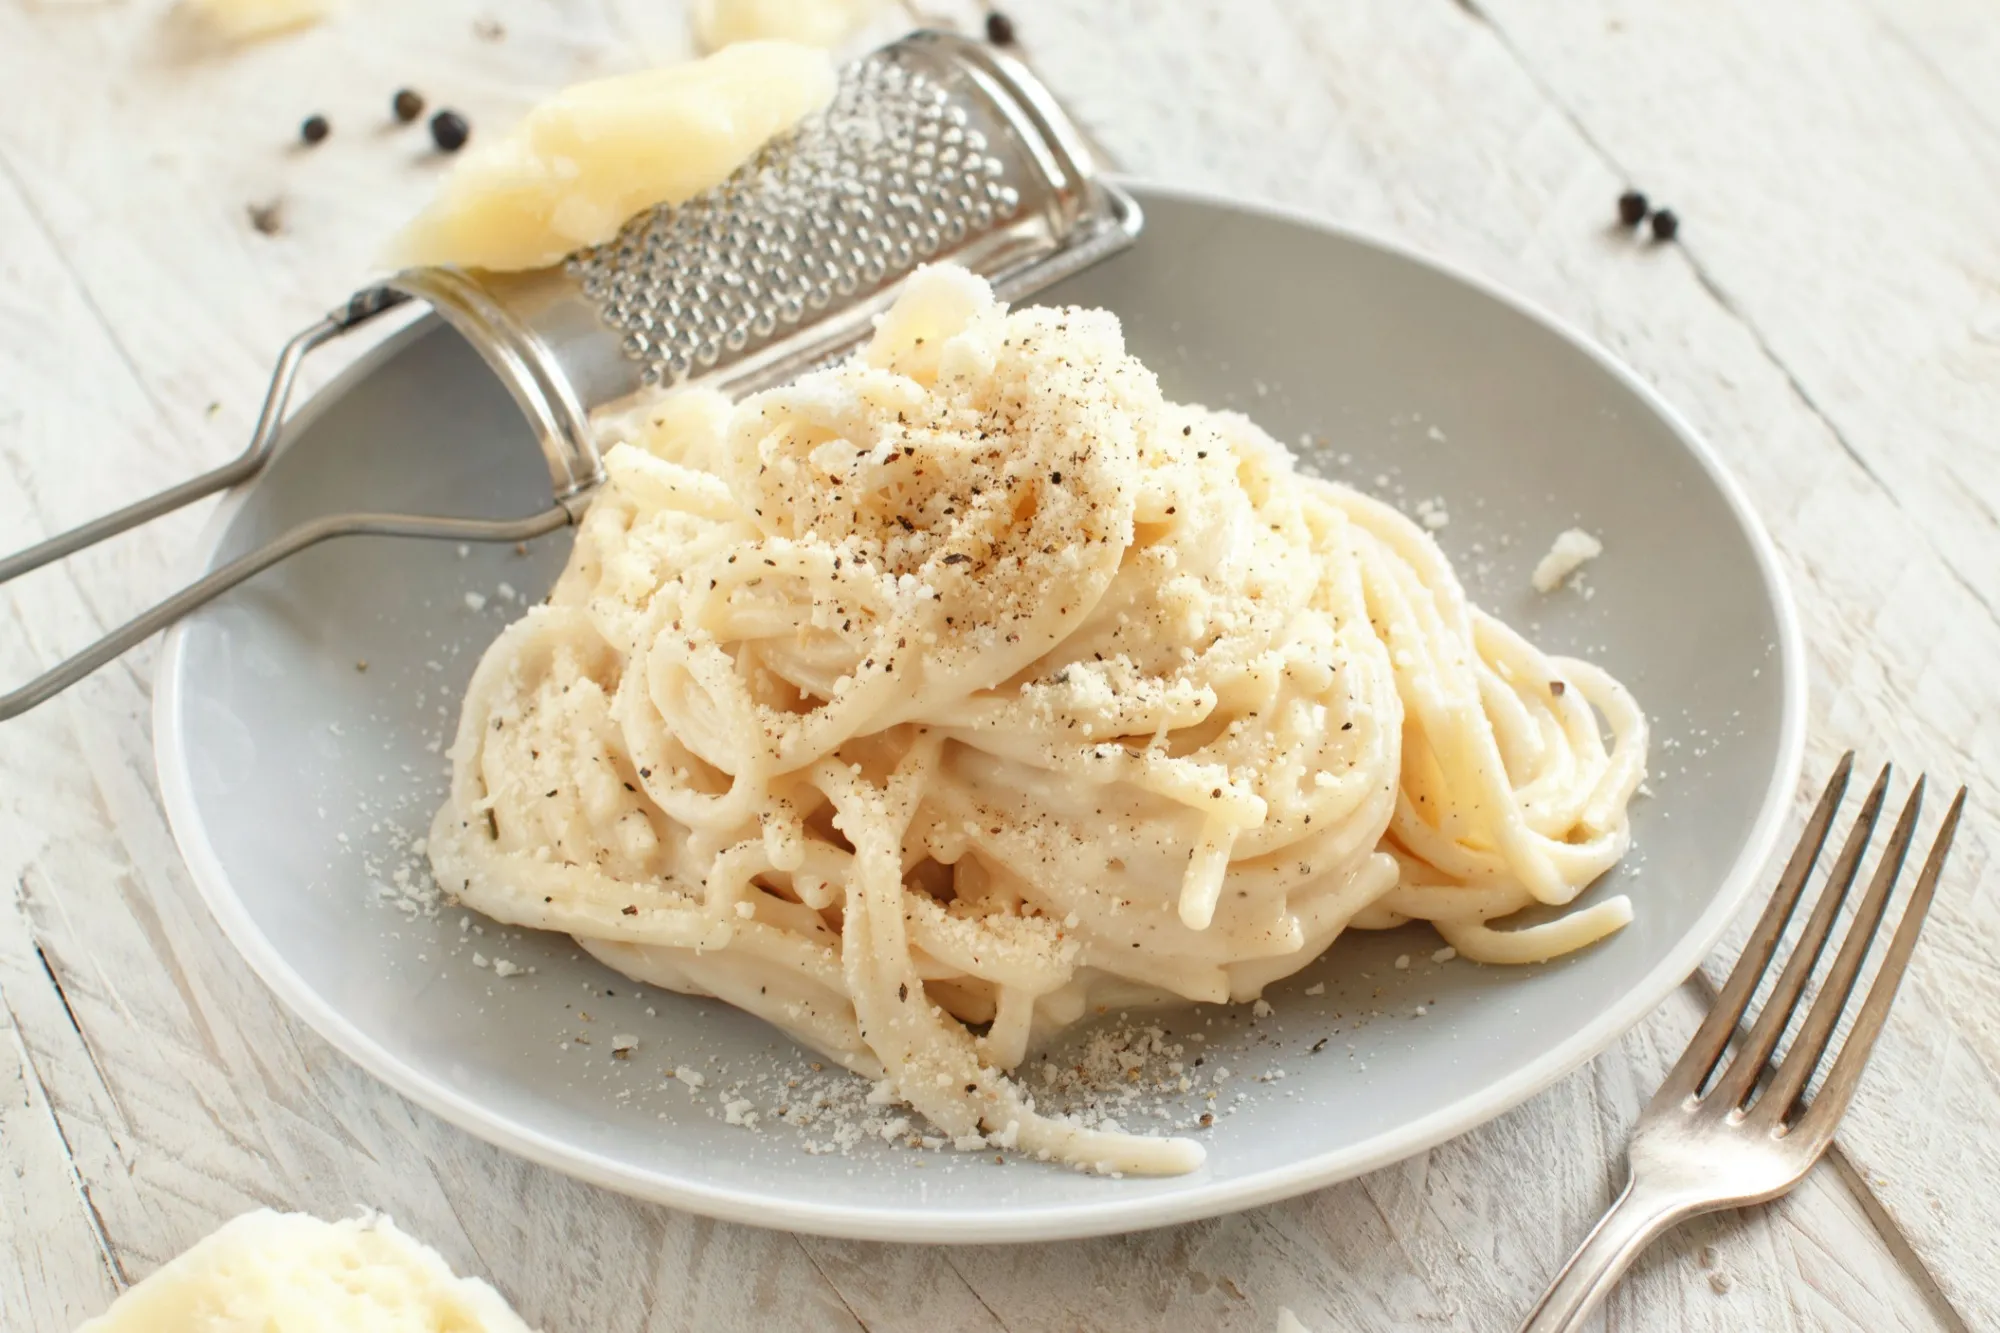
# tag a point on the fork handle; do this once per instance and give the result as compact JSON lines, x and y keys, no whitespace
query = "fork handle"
{"x":1643,"y":1212}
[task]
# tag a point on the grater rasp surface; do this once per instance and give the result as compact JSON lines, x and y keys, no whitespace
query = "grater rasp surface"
{"x":890,"y":174}
{"x":933,"y":148}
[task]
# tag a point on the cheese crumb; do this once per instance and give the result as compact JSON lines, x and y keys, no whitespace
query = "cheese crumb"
{"x":1565,"y":557}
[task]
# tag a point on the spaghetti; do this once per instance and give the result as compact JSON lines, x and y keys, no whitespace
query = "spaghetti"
{"x":927,"y":703}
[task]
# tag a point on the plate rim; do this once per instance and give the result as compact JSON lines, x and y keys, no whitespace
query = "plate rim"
{"x":1068,"y":1220}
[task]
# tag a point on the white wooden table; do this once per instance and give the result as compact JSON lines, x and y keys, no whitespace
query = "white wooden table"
{"x":1830,"y":320}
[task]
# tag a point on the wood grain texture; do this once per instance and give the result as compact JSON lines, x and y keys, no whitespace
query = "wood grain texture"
{"x":148,"y":1080}
{"x":57,"y":1272}
{"x":1851,"y":209}
{"x":1444,"y":132}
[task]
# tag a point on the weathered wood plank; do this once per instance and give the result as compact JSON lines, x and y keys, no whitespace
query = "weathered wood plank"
{"x":184,"y":1095}
{"x":137,"y":294}
{"x":1421,"y":121}
{"x":1842,"y":204}
{"x":56,"y":1274}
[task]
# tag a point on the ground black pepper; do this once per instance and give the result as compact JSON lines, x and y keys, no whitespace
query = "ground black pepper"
{"x":314,"y":128}
{"x":268,"y":218}
{"x":1632,"y":208}
{"x":999,"y":28}
{"x":407,"y":105}
{"x":1666,"y":225}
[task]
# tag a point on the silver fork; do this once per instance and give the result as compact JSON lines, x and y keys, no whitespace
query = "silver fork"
{"x":1722,"y":1135}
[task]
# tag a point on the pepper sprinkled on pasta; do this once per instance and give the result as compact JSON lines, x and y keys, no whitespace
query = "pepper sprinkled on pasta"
{"x":923,"y":705}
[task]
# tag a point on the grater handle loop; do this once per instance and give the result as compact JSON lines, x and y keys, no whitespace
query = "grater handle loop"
{"x":359,"y":309}
{"x":206,"y":589}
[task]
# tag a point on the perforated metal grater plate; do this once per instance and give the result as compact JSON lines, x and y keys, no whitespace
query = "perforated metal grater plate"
{"x":933,"y":148}
{"x":892,"y":173}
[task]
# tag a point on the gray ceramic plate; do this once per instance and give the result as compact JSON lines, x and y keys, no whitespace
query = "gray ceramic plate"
{"x":294,"y":780}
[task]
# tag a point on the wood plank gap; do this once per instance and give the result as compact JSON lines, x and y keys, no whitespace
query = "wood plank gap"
{"x":92,"y":1218}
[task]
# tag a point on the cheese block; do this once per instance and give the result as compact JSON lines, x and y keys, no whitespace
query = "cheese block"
{"x":586,"y":160}
{"x":247,"y":20}
{"x":271,"y":1272}
{"x":720,"y":23}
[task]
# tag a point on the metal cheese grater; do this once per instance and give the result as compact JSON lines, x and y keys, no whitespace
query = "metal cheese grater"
{"x":933,"y":148}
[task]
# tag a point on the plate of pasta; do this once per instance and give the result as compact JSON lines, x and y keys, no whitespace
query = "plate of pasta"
{"x":1059,"y":770}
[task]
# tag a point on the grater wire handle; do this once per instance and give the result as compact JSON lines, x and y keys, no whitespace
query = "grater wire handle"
{"x":143,"y":626}
{"x":363,"y":307}
{"x":933,"y":149}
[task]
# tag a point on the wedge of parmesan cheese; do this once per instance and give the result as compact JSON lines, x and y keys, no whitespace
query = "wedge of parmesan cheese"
{"x":585,"y":161}
{"x":826,"y":23}
{"x":247,"y":20}
{"x":271,"y":1272}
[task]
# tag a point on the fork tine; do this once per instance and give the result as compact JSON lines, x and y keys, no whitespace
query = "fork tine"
{"x":1709,"y":1042}
{"x":1841,"y":1080}
{"x":1809,"y":1046}
{"x":1742,"y":1073}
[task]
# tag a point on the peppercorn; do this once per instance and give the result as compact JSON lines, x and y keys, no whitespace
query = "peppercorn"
{"x":408,"y":104}
{"x":449,"y":131}
{"x":1666,"y":226}
{"x":999,"y":28}
{"x":1632,"y":208}
{"x":314,"y":128}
